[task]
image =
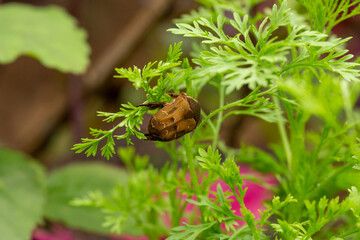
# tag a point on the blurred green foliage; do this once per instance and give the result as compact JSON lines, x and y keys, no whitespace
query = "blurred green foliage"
{"x":22,"y":195}
{"x":27,"y":195}
{"x":48,"y":34}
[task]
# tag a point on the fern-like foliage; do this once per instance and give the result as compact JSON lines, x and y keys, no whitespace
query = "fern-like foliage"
{"x":291,"y":72}
{"x":167,"y":77}
{"x":132,"y":119}
{"x":324,"y":15}
{"x":256,"y":56}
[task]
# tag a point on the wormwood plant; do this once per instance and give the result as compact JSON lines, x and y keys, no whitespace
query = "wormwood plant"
{"x":301,"y":79}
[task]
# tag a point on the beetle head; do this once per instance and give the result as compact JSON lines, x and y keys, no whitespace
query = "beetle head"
{"x":195,"y":107}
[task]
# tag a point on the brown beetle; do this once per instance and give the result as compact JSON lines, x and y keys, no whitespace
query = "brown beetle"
{"x":174,"y":119}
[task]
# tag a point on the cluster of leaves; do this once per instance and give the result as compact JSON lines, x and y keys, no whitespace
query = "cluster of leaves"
{"x":324,"y":15}
{"x":133,"y":117}
{"x":300,"y":78}
{"x":243,"y":62}
{"x":167,"y":78}
{"x":139,"y":203}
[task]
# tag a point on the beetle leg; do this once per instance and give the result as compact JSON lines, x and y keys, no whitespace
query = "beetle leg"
{"x":173,"y":95}
{"x":155,"y":138}
{"x":152,"y":106}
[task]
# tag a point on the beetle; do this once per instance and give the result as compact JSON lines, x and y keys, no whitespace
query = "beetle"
{"x":174,"y":119}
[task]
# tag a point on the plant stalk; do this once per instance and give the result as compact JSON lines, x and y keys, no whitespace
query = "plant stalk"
{"x":219,"y":117}
{"x":188,"y":144}
{"x":283,"y":135}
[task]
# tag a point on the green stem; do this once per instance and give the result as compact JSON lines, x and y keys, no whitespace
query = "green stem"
{"x":332,"y":176}
{"x":225,"y":107}
{"x":240,"y":198}
{"x":188,"y":144}
{"x":174,"y":208}
{"x":301,"y":64}
{"x":190,"y":161}
{"x":180,"y":213}
{"x":283,"y":135}
{"x":347,"y":101}
{"x":219,"y":117}
{"x":239,"y":193}
{"x":352,"y":231}
{"x":212,"y":126}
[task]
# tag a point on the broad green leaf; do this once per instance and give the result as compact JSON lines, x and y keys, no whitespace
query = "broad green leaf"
{"x":75,"y":181}
{"x":22,"y":195}
{"x":48,"y":34}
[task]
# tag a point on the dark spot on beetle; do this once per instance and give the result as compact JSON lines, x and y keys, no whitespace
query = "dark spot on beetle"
{"x":172,"y":119}
{"x":172,"y":110}
{"x":175,"y":127}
